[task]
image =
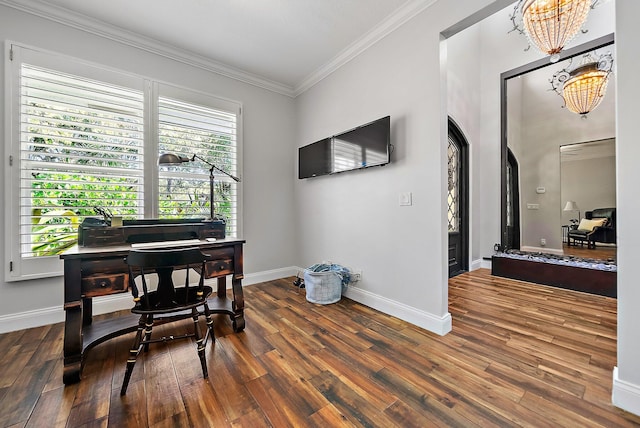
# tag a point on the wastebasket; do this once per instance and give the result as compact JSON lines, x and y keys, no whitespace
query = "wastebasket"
{"x":323,"y":287}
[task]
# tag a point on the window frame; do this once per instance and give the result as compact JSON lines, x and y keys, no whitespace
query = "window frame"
{"x":18,"y":268}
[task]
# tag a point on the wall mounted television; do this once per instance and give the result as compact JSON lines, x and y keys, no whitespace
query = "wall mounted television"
{"x":361,"y":147}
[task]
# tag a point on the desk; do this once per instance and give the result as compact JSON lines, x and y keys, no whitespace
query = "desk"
{"x":100,"y":271}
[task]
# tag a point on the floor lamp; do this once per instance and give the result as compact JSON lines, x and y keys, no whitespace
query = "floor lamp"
{"x":572,"y":206}
{"x":173,"y":159}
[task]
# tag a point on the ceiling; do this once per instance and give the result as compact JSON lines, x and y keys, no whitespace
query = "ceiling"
{"x":286,"y":44}
{"x":545,"y":108}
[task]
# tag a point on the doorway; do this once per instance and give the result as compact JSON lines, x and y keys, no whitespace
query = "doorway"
{"x":457,"y":200}
{"x":513,"y":203}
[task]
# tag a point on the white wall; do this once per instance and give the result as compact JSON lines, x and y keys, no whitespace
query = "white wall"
{"x":463,"y":102}
{"x":268,"y":122}
{"x":626,"y":387}
{"x":354,"y":218}
{"x":591,"y":183}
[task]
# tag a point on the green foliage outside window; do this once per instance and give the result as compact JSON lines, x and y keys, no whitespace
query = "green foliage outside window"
{"x":61,"y":200}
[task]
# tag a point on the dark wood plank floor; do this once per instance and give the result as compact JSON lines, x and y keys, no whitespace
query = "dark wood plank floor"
{"x":519,"y":355}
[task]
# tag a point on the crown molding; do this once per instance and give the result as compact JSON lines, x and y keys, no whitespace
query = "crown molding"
{"x":386,"y":27}
{"x":120,"y":35}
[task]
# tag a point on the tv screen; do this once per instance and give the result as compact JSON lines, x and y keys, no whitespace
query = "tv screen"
{"x":314,"y":159}
{"x":362,"y":147}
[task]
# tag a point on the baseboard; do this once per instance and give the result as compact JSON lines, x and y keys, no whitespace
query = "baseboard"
{"x":426,"y":320}
{"x":625,"y":395}
{"x":480,"y":264}
{"x":555,"y":251}
{"x":107,"y":304}
{"x":270,"y":275}
{"x":30,"y":319}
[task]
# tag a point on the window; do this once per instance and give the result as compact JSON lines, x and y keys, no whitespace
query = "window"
{"x":84,"y":141}
{"x":453,"y":189}
{"x":210,"y":134}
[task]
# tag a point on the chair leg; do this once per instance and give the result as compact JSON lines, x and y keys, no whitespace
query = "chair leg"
{"x":200,"y":344}
{"x":147,"y":332}
{"x":207,"y":314}
{"x":133,"y":354}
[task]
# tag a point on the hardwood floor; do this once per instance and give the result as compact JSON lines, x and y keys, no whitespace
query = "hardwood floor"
{"x":519,"y":355}
{"x":602,"y":252}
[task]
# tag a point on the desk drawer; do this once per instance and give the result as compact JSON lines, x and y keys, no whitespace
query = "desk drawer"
{"x":219,"y":267}
{"x":101,"y":285}
{"x":104,"y":276}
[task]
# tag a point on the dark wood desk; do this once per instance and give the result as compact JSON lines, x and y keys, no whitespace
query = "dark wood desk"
{"x":100,"y":271}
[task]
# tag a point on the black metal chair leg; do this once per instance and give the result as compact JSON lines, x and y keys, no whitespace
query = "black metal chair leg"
{"x":133,"y":354}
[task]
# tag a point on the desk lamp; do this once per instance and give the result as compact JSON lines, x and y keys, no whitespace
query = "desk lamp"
{"x":173,"y":159}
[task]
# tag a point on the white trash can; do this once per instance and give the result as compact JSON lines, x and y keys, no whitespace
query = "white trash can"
{"x":323,"y":287}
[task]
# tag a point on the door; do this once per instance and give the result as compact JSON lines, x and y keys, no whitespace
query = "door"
{"x":513,"y":203}
{"x":457,"y":201}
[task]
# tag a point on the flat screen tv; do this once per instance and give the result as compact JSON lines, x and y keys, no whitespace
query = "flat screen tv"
{"x":362,"y":147}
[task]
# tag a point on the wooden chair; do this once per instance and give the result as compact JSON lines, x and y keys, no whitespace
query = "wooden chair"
{"x":166,"y":302}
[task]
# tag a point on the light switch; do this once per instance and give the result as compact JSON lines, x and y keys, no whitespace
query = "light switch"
{"x":405,"y":199}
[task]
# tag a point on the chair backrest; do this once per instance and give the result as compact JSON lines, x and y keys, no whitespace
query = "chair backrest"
{"x":608,"y":213}
{"x":162,"y":262}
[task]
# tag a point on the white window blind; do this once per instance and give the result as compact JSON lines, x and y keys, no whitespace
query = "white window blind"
{"x":187,"y":129}
{"x":85,"y":138}
{"x":81,"y":146}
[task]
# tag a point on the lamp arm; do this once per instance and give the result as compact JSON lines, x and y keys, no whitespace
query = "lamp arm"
{"x":213,"y":167}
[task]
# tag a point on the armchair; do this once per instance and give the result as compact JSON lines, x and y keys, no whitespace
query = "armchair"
{"x":605,"y":233}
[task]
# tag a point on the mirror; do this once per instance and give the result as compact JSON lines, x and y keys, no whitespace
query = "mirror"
{"x":552,"y":156}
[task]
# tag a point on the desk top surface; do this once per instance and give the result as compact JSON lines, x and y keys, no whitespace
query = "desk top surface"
{"x":81,"y":252}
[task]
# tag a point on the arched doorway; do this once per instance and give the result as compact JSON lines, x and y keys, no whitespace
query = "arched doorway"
{"x":458,"y":200}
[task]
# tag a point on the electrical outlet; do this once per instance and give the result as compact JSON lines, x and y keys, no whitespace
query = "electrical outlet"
{"x":543,"y":242}
{"x":356,"y":276}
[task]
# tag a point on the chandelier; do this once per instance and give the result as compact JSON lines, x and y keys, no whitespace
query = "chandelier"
{"x":550,"y":24}
{"x":584,"y":87}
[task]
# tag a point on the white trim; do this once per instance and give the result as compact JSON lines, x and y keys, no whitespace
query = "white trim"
{"x":55,"y":314}
{"x":386,"y":27}
{"x":112,"y":303}
{"x":115,"y":302}
{"x":30,"y":319}
{"x":480,"y":264}
{"x":555,"y":251}
{"x":90,"y":25}
{"x":122,"y":301}
{"x":270,"y":275}
{"x":625,"y":395}
{"x":426,"y":320}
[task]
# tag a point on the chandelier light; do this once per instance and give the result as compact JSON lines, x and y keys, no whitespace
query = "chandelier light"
{"x":584,"y":87}
{"x":551,"y":24}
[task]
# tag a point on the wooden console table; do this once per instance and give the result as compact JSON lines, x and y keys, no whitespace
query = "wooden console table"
{"x":101,"y":271}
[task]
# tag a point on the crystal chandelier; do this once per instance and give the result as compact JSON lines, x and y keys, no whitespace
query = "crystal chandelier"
{"x":584,"y":87}
{"x":550,"y":24}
